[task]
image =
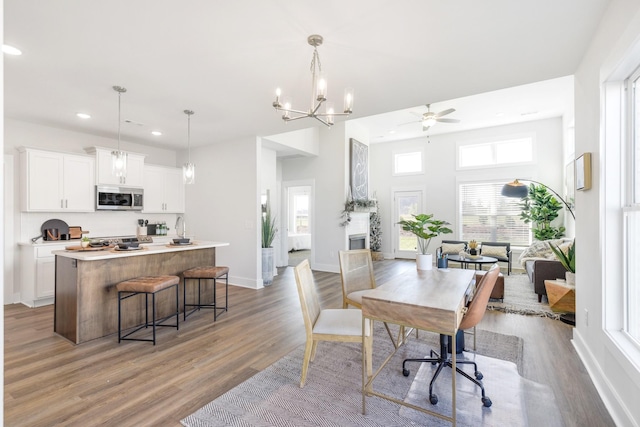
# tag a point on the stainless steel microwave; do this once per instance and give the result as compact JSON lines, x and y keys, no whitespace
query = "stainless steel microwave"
{"x":110,"y":198}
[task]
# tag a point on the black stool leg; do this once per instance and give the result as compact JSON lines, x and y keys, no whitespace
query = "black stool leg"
{"x":119,"y":317}
{"x":153,"y":310}
{"x":215,"y":301}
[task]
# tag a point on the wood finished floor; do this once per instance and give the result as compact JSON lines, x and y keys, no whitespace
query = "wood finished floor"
{"x":49,"y":381}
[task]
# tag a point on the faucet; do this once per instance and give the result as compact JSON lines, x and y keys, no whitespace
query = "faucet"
{"x":184,"y":226}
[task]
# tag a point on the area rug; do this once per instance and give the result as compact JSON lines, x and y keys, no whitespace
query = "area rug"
{"x":519,"y":298}
{"x":332,"y":394}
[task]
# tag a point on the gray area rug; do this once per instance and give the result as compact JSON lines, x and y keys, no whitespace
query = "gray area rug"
{"x":519,"y":298}
{"x":332,"y":394}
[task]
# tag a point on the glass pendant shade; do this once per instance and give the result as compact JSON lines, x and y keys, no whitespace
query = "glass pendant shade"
{"x":189,"y":173}
{"x":189,"y":169}
{"x":119,"y":157}
{"x":119,"y":163}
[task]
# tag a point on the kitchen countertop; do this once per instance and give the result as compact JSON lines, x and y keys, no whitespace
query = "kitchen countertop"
{"x":147,"y":249}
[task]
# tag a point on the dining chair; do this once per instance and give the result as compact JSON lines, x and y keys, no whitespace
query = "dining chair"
{"x":473,"y":315}
{"x":356,"y":274}
{"x":342,"y":325}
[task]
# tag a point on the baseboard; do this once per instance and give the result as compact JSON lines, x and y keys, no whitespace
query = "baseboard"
{"x":608,"y":394}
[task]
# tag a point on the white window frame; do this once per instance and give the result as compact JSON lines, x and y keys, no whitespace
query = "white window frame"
{"x":495,"y":141}
{"x":408,"y":151}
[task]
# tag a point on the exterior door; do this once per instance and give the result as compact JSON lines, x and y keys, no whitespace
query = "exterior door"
{"x":406,"y":203}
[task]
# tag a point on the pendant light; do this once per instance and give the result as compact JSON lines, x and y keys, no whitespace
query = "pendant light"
{"x":119,"y":157}
{"x":189,"y":169}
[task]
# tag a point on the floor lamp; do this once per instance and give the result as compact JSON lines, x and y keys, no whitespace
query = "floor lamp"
{"x":517,"y":189}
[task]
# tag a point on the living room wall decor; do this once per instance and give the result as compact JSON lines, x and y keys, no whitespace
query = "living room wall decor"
{"x":359,"y":170}
{"x":583,"y":172}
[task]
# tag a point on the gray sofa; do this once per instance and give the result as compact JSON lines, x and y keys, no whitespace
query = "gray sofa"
{"x":540,"y":270}
{"x":541,"y":264}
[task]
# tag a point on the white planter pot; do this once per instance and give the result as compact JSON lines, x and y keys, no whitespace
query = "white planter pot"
{"x":570,"y":278}
{"x":267,"y":266}
{"x":424,"y":261}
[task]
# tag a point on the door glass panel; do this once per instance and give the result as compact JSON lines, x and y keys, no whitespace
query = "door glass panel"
{"x":407,"y":203}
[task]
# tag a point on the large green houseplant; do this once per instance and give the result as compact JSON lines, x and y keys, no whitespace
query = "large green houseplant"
{"x":540,"y":208}
{"x":269,"y":230}
{"x":425,"y":228}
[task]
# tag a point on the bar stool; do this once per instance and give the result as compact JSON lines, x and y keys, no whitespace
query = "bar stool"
{"x":212,"y":273}
{"x":147,"y":285}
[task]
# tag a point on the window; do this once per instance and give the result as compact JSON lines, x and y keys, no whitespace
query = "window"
{"x":631,"y":213}
{"x":496,"y":153}
{"x":489,"y":216}
{"x":407,"y":163}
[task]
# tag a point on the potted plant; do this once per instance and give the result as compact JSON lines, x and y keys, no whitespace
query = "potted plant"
{"x":541,"y":208}
{"x":269,"y":231}
{"x":473,"y":247}
{"x":568,"y":261}
{"x":424,"y":227}
{"x":84,"y":242}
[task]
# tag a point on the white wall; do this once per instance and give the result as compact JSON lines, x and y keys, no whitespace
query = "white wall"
{"x":224,"y":205}
{"x":440,"y":179}
{"x":327,"y":170}
{"x":611,"y":366}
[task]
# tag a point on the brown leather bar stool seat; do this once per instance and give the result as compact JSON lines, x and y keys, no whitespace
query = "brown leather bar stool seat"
{"x":206,"y":273}
{"x":147,"y":285}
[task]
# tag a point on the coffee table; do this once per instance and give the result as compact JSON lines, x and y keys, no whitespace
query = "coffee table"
{"x":464,"y":262}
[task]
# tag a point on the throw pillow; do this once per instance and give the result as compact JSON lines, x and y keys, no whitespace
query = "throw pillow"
{"x":452,"y":248}
{"x":494,"y":251}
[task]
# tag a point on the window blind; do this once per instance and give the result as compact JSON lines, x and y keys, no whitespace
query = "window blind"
{"x":489,"y":216}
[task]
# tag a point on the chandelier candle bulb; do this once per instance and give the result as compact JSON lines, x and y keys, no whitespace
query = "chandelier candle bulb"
{"x":348,"y":100}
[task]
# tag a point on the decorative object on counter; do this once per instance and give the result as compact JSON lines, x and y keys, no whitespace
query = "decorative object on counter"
{"x":148,"y":285}
{"x":51,"y":224}
{"x":119,"y":157}
{"x":85,"y":242}
{"x":189,"y":169}
{"x":424,"y":227}
{"x":318,"y":94}
{"x":269,"y":231}
{"x":206,"y":273}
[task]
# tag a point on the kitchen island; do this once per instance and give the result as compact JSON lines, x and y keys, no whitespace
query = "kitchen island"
{"x":86,"y":300}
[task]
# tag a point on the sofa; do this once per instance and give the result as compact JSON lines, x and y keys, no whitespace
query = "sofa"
{"x":541,"y":264}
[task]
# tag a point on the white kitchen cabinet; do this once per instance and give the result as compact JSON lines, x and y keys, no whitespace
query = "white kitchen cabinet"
{"x":38,"y":280}
{"x":104,"y":175}
{"x":57,"y":182}
{"x":163,"y":190}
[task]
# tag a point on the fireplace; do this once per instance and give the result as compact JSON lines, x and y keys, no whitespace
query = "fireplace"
{"x":357,"y":241}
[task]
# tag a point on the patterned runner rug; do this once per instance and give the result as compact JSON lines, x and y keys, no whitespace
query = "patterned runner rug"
{"x":519,"y":298}
{"x":332,"y":394}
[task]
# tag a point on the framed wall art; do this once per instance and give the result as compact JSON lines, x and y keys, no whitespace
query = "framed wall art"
{"x":583,"y":172}
{"x":359,"y":176}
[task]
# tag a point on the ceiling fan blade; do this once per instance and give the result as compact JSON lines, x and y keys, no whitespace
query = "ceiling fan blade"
{"x":448,"y":120}
{"x":408,"y":123}
{"x":445,"y":112}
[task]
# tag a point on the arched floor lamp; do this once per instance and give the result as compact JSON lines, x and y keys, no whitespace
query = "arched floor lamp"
{"x":519,"y":190}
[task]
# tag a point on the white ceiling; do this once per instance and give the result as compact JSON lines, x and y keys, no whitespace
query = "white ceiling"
{"x":224,"y":60}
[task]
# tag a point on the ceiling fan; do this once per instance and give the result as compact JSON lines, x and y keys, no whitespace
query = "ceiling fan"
{"x":430,"y":118}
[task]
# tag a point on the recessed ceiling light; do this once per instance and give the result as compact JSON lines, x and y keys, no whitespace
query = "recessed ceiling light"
{"x":156,"y":133}
{"x":83,"y":115}
{"x":10,"y":50}
{"x":392,"y":132}
{"x":500,"y":114}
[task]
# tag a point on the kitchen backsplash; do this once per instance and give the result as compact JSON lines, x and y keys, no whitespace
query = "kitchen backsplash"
{"x":99,"y":224}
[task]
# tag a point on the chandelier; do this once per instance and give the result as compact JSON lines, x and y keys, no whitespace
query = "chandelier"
{"x":189,"y":169}
{"x":318,"y":94}
{"x":119,"y":157}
